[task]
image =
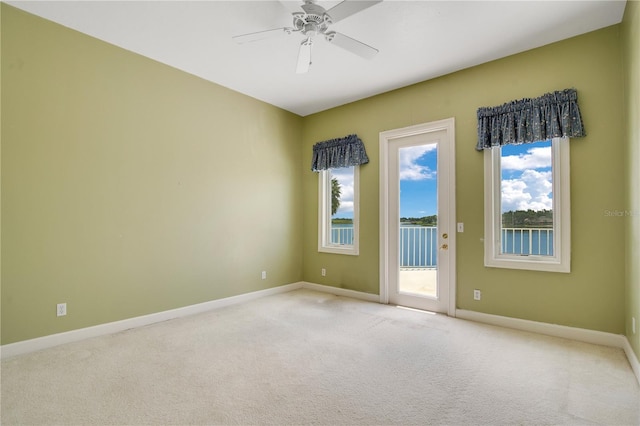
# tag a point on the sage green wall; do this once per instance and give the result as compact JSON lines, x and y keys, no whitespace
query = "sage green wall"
{"x":592,"y":295}
{"x":631,"y":39}
{"x":129,"y":187}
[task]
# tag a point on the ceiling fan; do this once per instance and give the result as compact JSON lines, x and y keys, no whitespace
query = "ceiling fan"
{"x":315,"y":20}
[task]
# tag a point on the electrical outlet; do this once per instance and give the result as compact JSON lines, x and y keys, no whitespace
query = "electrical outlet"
{"x":323,"y":272}
{"x":264,"y":275}
{"x":477,"y":295}
{"x":61,"y":309}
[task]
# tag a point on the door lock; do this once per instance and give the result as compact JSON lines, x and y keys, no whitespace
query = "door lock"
{"x":445,"y":236}
{"x":444,"y":246}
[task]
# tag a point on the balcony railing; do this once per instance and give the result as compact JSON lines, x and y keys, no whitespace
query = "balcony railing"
{"x":419,"y":244}
{"x":527,"y":241}
{"x":342,"y":234}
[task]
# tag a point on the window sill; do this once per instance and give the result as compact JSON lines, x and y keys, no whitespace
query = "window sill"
{"x":533,"y":263}
{"x":350,"y":250}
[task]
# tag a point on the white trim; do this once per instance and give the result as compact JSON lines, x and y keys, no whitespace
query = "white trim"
{"x":385,"y":137}
{"x":579,"y":334}
{"x":324,"y":215}
{"x":555,"y":330}
{"x":561,"y":260}
{"x":39,"y":343}
{"x":383,"y":218}
{"x":573,"y":333}
{"x":633,"y":359}
{"x":337,"y":291}
{"x":453,"y":278}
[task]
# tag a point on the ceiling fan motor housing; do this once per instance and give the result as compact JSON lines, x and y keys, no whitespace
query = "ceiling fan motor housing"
{"x":311,"y":24}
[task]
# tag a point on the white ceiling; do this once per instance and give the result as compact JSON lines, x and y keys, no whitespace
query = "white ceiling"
{"x":417,"y":40}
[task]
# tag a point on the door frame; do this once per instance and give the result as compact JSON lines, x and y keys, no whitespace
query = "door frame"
{"x":448,"y":126}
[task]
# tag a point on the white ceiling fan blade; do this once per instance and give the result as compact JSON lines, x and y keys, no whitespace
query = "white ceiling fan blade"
{"x":291,"y":6}
{"x":261,"y":35}
{"x":352,"y":45}
{"x":304,"y":57}
{"x":348,"y":8}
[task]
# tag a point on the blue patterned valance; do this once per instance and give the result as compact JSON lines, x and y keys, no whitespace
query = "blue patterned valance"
{"x":552,"y":115}
{"x":335,"y":153}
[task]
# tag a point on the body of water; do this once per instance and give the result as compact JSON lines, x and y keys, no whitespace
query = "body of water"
{"x":419,"y":244}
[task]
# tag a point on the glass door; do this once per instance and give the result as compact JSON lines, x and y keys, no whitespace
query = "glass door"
{"x":418,"y":221}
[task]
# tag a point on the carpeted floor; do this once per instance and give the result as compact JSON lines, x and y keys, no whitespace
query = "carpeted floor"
{"x":311,"y":358}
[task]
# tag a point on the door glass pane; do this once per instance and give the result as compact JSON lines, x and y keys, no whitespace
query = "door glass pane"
{"x":418,"y":232}
{"x":526,"y":199}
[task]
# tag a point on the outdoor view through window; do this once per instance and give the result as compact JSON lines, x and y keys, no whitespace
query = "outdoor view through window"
{"x":342,"y":200}
{"x":418,"y":167}
{"x":526,"y":199}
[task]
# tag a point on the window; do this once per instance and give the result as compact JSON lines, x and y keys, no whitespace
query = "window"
{"x":527,"y":209}
{"x":338,"y":210}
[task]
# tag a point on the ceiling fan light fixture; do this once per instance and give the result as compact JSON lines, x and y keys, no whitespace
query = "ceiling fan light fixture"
{"x":310,"y":29}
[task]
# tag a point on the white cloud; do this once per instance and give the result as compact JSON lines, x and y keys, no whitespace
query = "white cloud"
{"x":529,"y":186}
{"x":535,"y":158}
{"x":345,"y":178}
{"x":409,"y":169}
{"x":531,"y":190}
{"x":345,"y":207}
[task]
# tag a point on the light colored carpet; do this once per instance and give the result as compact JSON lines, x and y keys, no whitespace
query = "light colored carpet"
{"x":310,"y":358}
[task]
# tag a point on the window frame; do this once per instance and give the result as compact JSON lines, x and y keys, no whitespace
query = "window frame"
{"x":324,"y":215}
{"x":561,"y":259}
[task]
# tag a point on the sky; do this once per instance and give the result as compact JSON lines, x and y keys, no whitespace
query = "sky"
{"x":526,"y":180}
{"x":526,"y":177}
{"x":418,"y":180}
{"x":345,"y":177}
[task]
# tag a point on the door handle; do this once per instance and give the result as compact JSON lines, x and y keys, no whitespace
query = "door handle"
{"x":444,"y":246}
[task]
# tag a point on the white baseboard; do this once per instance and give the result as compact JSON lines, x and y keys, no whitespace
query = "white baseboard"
{"x":579,"y":334}
{"x":342,"y":292}
{"x":573,"y":333}
{"x":32,"y":345}
{"x":633,"y":358}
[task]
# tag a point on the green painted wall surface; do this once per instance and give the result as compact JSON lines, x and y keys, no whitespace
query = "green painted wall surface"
{"x":631,"y":43}
{"x":129,"y":187}
{"x":592,"y":295}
